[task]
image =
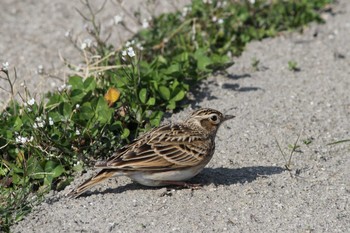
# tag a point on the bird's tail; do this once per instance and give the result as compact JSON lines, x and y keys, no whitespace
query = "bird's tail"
{"x":99,"y":177}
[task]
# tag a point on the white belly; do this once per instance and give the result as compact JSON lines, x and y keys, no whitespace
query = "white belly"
{"x":157,"y":178}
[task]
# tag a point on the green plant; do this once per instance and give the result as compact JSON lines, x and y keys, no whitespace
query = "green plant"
{"x":293,"y":66}
{"x":293,"y":148}
{"x":340,"y":141}
{"x":255,"y":63}
{"x":308,"y":140}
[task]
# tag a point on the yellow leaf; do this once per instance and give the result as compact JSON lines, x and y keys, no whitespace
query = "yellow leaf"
{"x":112,"y":96}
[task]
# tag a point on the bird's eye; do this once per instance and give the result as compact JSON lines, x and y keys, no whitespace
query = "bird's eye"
{"x":214,"y":118}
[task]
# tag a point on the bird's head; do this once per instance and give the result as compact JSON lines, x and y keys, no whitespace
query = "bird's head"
{"x":208,"y":119}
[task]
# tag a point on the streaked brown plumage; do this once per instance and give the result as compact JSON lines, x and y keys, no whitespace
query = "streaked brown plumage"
{"x":166,"y":155}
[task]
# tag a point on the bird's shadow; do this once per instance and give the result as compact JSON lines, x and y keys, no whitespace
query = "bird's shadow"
{"x":216,"y":176}
{"x":229,"y":176}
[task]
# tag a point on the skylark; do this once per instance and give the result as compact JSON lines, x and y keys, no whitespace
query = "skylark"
{"x":167,"y":155}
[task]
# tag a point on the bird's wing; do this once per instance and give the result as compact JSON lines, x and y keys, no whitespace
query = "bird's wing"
{"x":167,"y":147}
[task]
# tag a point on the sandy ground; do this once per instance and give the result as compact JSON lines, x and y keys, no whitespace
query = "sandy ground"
{"x":246,"y":188}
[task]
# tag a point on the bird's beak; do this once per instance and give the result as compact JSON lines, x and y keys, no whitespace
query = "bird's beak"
{"x":228,"y":117}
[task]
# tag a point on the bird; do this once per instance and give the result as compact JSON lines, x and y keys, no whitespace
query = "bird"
{"x":167,"y":155}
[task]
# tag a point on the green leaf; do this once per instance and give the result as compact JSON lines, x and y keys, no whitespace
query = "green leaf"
{"x":174,"y":84}
{"x":156,"y":117}
{"x":76,"y":82}
{"x":182,"y":57}
{"x":55,"y":116}
{"x":54,"y":101}
{"x":78,"y":167}
{"x":151,"y":101}
{"x":85,"y":112}
{"x":117,"y":125}
{"x":18,"y":124}
{"x":77,"y":95}
{"x":16,"y":179}
{"x":161,"y":59}
{"x":7,"y":134}
{"x":50,"y":165}
{"x":34,"y":170}
{"x":126,"y":133}
{"x":57,"y":171}
{"x":66,"y":110}
{"x":179,"y":96}
{"x":164,"y":92}
{"x":171,"y":105}
{"x":48,"y":180}
{"x":89,"y":84}
{"x":202,"y":60}
{"x":173,"y":68}
{"x":102,"y":111}
{"x":143,"y":95}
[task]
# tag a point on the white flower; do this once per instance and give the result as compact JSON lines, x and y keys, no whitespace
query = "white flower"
{"x":214,"y":19}
{"x":145,"y":23}
{"x":67,"y":34}
{"x":220,"y":21}
{"x":77,"y":106}
{"x":40,"y":123}
{"x":185,"y":10}
{"x":77,"y":132}
{"x":139,"y":46}
{"x":252,"y":1}
{"x":50,"y":121}
{"x":129,"y":43}
{"x":5,"y":66}
{"x":18,"y":139}
{"x":131,"y":52}
{"x":31,"y":102}
{"x":62,"y":87}
{"x":79,"y":67}
{"x":22,"y":140}
{"x":40,"y":69}
{"x":83,"y":46}
{"x":77,"y":163}
{"x":118,"y":19}
{"x":124,"y":54}
{"x":87,"y":43}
